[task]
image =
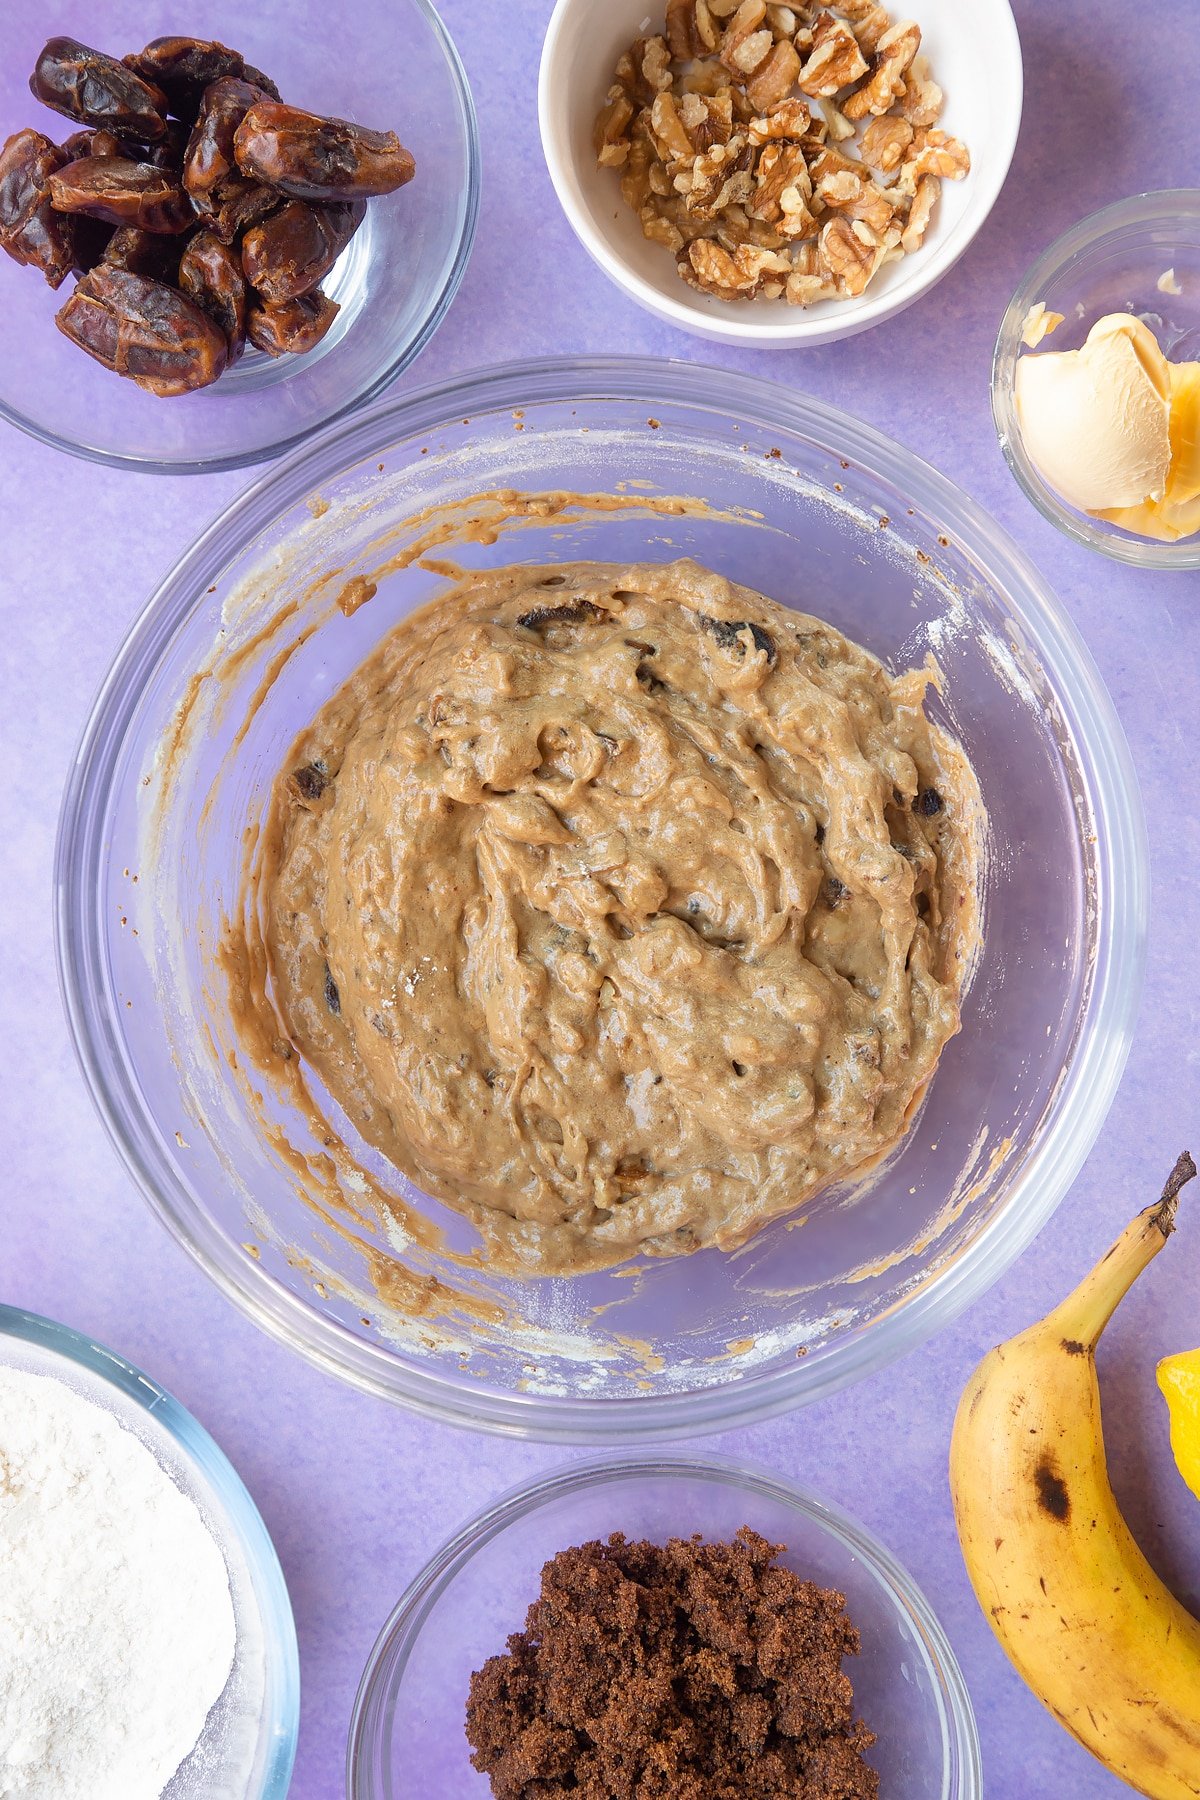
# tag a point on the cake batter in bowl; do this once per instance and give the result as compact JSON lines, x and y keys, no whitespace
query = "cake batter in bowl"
{"x":255,"y":1155}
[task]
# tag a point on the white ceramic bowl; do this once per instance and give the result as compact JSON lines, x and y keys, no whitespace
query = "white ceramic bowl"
{"x":975,"y":55}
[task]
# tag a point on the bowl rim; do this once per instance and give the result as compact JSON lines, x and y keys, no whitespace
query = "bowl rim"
{"x":205,"y":1455}
{"x":1167,"y":205}
{"x":403,"y":358}
{"x":1082,"y":1097}
{"x":962,"y":1769}
{"x":806,"y":328}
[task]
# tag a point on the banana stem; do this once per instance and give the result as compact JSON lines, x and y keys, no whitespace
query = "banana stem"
{"x":1082,"y":1316}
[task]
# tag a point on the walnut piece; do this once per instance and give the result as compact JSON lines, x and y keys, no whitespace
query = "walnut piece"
{"x":921,"y":102}
{"x":783,"y":189}
{"x":924,"y":200}
{"x":884,"y":143}
{"x":720,"y":178}
{"x":691,"y":29}
{"x":736,"y":274}
{"x":834,"y":61}
{"x":746,"y":41}
{"x":869,"y":20}
{"x":779,"y":150}
{"x":933,"y":153}
{"x":775,"y":78}
{"x":848,"y":253}
{"x":790,"y":119}
{"x":610,"y":134}
{"x":897,"y":47}
{"x":856,"y":195}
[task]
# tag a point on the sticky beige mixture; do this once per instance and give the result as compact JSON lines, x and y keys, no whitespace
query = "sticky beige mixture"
{"x":620,"y":907}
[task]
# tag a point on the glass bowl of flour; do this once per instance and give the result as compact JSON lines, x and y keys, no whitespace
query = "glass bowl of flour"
{"x":144,"y":1621}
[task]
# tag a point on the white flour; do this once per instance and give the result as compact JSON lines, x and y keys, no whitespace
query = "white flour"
{"x":116,"y":1623}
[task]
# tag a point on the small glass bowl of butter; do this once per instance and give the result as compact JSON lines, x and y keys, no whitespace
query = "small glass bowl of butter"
{"x":1096,"y":381}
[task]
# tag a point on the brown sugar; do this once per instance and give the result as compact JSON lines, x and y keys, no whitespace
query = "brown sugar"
{"x":689,"y":1671}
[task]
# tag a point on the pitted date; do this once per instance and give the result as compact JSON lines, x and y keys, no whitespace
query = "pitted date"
{"x":312,"y":158}
{"x":297,"y":246}
{"x":92,"y":143}
{"x":85,"y":84}
{"x":209,"y":160}
{"x":182,"y":67}
{"x":124,"y":193}
{"x":147,"y":253}
{"x":170,"y":150}
{"x":240,"y":204}
{"x":144,"y":330}
{"x":30,"y":230}
{"x":294,"y":327}
{"x":210,"y":274}
{"x":259,"y":80}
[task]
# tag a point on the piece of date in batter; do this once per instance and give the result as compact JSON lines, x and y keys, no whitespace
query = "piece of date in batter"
{"x":620,"y":907}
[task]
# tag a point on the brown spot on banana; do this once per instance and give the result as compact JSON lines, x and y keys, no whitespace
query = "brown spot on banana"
{"x":1052,"y":1492}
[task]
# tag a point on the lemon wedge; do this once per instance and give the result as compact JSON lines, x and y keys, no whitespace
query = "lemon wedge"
{"x":1179,"y":1379}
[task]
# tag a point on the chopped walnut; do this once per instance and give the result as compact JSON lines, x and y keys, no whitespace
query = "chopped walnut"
{"x":924,"y":201}
{"x":790,"y":119}
{"x":897,"y":47}
{"x":610,"y":135}
{"x":707,"y":118}
{"x":885,"y":142}
{"x":706,"y":78}
{"x":856,"y":195}
{"x":783,"y":21}
{"x":870,"y":21}
{"x":635,"y":178}
{"x":848,"y":252}
{"x":691,"y":29}
{"x":921,"y":101}
{"x":824,"y":161}
{"x":839,"y":127}
{"x":933,"y":153}
{"x":775,"y":79}
{"x":737,"y":274}
{"x":660,"y":229}
{"x":645,"y":69}
{"x":783,"y":189}
{"x":721,"y":177}
{"x":835,"y":60}
{"x":778,"y":150}
{"x":746,"y":41}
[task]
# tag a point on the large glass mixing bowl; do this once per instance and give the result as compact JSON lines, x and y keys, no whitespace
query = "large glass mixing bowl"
{"x":246,"y":638}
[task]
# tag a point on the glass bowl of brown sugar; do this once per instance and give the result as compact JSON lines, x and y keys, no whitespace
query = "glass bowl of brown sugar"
{"x":408,"y":1737}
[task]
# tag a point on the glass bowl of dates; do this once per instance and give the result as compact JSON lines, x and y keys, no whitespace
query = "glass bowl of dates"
{"x":213,"y":246}
{"x":445,"y":1642}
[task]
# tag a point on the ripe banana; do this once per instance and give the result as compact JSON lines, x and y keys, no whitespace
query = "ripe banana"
{"x":1077,"y":1608}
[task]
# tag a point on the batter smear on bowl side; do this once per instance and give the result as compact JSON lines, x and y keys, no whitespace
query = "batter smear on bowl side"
{"x":620,"y":907}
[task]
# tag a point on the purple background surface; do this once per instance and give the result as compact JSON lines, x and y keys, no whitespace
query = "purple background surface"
{"x":358,"y":1494}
